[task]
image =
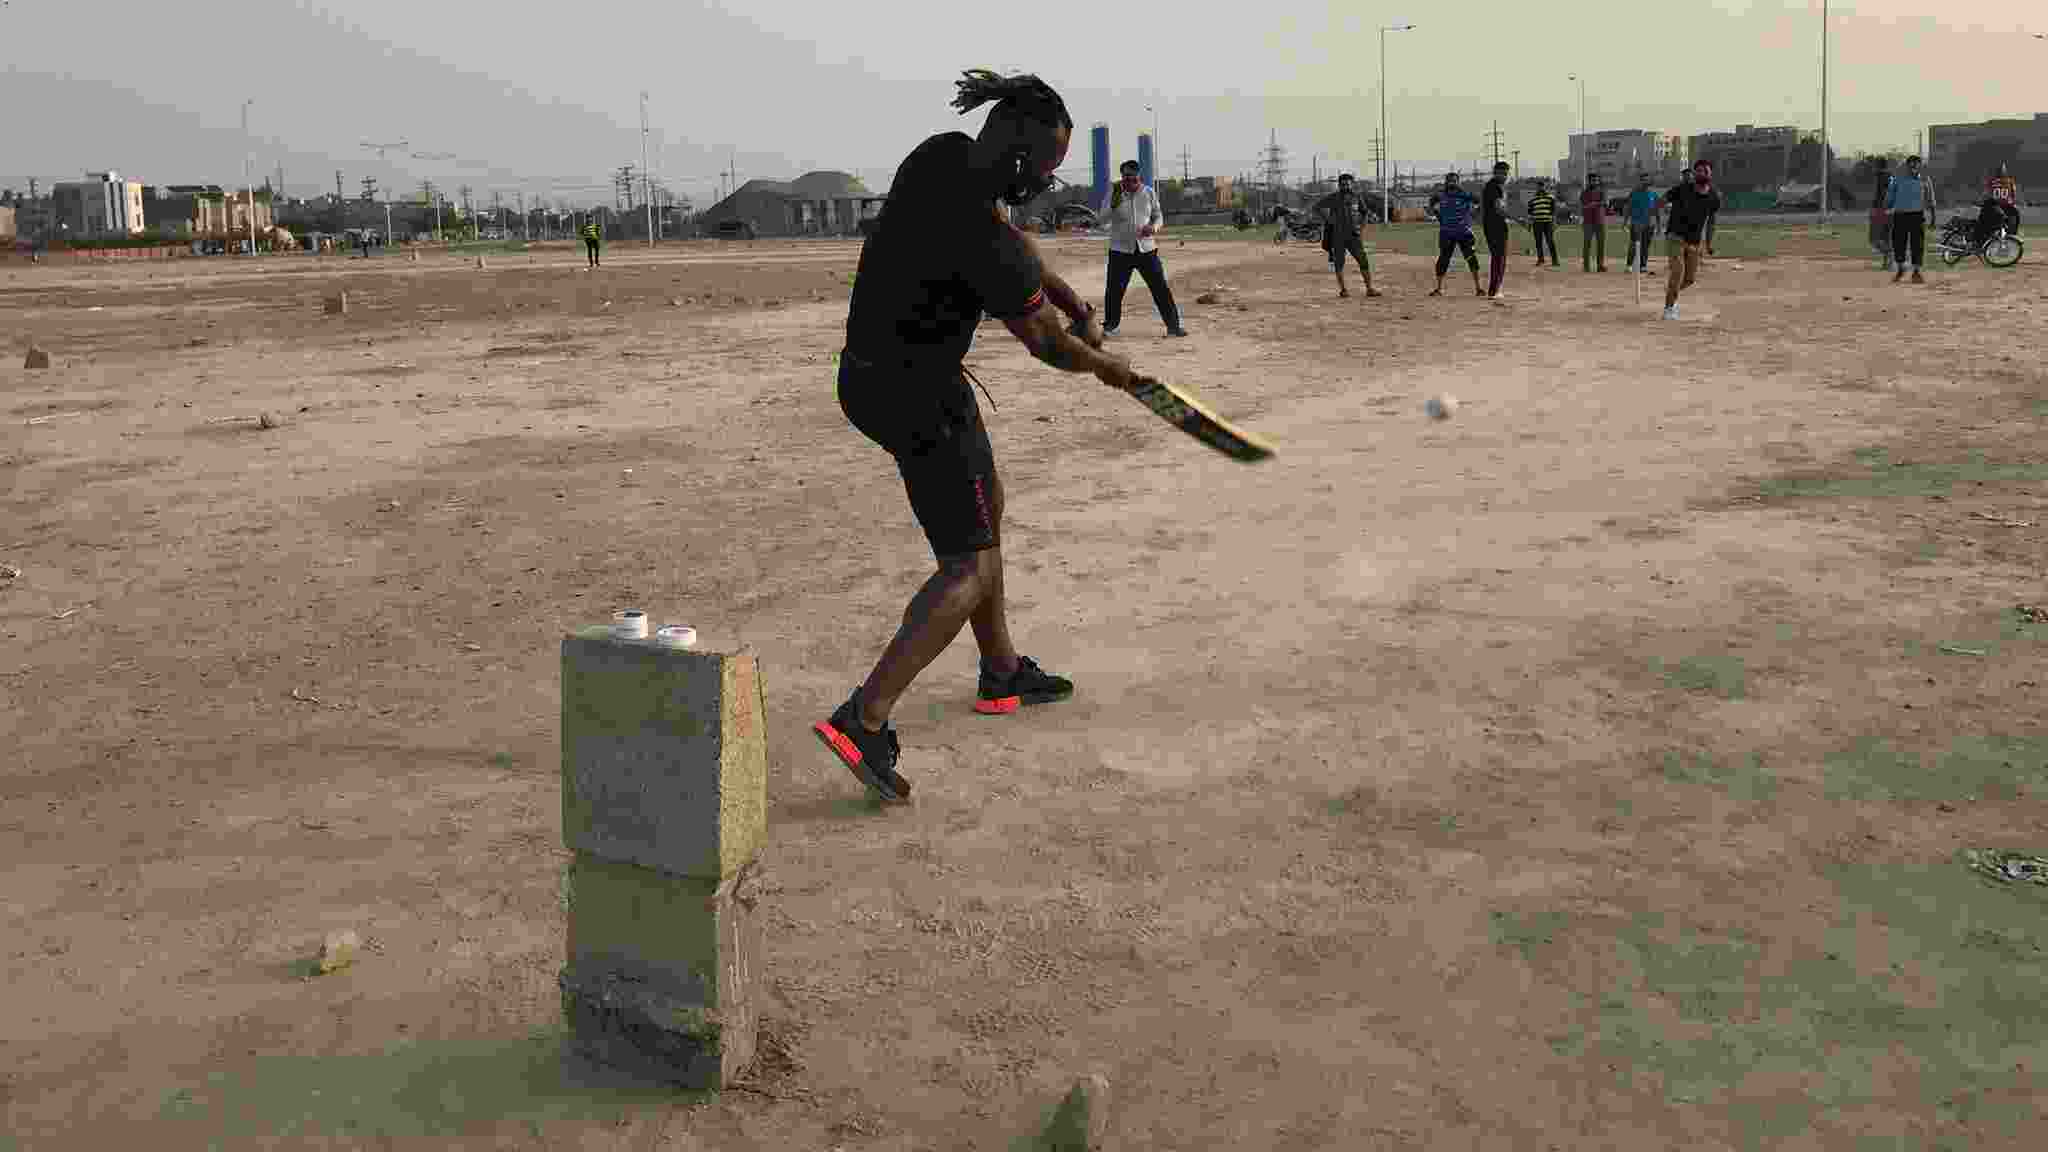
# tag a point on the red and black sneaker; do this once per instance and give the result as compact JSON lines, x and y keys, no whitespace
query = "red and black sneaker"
{"x":1029,"y":684}
{"x":870,"y":756}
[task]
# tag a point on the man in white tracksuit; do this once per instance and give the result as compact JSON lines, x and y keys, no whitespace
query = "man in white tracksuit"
{"x":1133,"y":218}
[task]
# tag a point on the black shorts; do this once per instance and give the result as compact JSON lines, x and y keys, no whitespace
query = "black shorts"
{"x":932,"y":427}
{"x":1351,"y":244}
{"x":1446,"y":243}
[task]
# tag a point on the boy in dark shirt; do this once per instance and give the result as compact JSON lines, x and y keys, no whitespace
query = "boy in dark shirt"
{"x":1493,"y":217}
{"x":1691,"y":203}
{"x":942,"y":254}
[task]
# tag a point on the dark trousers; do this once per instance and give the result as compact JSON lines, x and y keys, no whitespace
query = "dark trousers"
{"x":1640,"y":237}
{"x":1546,"y":233}
{"x":590,"y":250}
{"x":1909,"y":234}
{"x":1991,"y":214}
{"x":1148,"y":266}
{"x":1592,"y":242}
{"x":1497,"y":264}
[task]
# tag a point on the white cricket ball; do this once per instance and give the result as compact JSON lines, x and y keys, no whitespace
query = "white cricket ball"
{"x":1441,"y":406}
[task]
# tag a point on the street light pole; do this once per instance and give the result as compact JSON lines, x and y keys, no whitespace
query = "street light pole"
{"x":1585,"y":145}
{"x":1823,"y":112}
{"x":1386,"y":151}
{"x":248,"y":189}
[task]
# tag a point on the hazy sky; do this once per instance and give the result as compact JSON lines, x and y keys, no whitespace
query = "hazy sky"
{"x":545,"y":98}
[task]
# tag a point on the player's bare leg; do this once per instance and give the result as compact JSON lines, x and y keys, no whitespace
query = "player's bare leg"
{"x":944,"y":605}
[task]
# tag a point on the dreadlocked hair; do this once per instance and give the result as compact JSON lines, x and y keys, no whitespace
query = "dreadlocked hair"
{"x":1023,"y":95}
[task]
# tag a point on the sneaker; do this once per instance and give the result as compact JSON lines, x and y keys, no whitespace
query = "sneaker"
{"x":1899,"y":275}
{"x":870,"y":756}
{"x":1029,"y":684}
{"x":1671,"y":312}
{"x":1373,"y":293}
{"x":1176,"y":331}
{"x":1917,"y":278}
{"x":1110,"y":330}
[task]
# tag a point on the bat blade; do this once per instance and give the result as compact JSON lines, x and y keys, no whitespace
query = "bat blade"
{"x":1184,"y":411}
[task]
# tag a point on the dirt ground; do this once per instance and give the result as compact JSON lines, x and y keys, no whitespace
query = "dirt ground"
{"x":1590,"y":770}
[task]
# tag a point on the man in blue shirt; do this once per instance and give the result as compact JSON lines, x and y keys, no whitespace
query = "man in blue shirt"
{"x":1909,"y":201}
{"x":1454,"y":231}
{"x":1643,"y":210}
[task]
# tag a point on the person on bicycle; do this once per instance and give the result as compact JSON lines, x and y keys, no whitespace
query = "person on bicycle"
{"x":2001,"y":205}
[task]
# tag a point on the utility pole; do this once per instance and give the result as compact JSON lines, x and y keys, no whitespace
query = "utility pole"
{"x":1186,"y":172}
{"x":1823,"y":112}
{"x":1518,"y":164}
{"x":647,"y":185}
{"x":369,"y":189}
{"x":1493,"y":138}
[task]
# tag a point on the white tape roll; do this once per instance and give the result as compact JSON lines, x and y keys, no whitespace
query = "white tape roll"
{"x":630,"y":624}
{"x":677,"y":636}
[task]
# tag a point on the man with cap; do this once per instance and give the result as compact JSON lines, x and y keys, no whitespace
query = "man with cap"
{"x":1134,"y":218}
{"x":1343,"y":212}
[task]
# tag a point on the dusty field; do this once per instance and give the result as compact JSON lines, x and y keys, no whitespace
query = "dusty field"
{"x":1590,"y":771}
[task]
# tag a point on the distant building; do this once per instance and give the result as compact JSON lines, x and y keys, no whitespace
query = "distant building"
{"x":1962,"y":155}
{"x":186,"y":209}
{"x":1615,"y":156}
{"x":814,"y":204}
{"x":102,"y":204}
{"x":7,"y":231}
{"x":1751,"y":158}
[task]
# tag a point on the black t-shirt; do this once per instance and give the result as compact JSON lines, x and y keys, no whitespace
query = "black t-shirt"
{"x":1688,"y":208}
{"x":1492,"y":212}
{"x":1344,"y":210}
{"x":938,"y":258}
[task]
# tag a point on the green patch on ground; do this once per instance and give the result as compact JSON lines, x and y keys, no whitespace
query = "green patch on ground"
{"x":1717,"y":674}
{"x":1742,"y":778}
{"x":439,"y":1089}
{"x":1915,"y":974}
{"x":1875,"y":474}
{"x":1990,"y":767}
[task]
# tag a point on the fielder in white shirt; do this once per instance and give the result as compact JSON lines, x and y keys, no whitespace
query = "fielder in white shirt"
{"x":1133,"y":219}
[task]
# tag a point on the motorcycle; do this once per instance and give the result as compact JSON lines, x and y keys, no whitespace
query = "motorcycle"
{"x":1958,"y":243}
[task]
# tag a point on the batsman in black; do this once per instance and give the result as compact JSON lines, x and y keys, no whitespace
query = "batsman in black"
{"x":1342,"y":212}
{"x":943,"y":253}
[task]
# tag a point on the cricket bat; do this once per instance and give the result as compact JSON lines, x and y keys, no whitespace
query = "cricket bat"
{"x":1180,"y":408}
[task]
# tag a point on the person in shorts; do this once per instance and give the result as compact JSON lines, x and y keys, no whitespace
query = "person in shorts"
{"x":1343,"y":213}
{"x":943,"y":254}
{"x":1454,"y":232}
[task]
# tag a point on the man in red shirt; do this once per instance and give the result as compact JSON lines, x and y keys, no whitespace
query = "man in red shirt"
{"x":1593,"y":210}
{"x":2001,"y":204}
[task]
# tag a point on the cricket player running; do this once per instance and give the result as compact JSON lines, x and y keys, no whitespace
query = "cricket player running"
{"x":1689,"y":205}
{"x":1454,"y":232}
{"x":941,"y":255}
{"x":1343,"y":212}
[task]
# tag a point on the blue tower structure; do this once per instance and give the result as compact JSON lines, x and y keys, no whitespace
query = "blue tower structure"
{"x":1098,"y":153}
{"x":1145,"y":157}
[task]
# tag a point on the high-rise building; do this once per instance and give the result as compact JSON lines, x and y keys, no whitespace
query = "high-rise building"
{"x":1145,"y":157}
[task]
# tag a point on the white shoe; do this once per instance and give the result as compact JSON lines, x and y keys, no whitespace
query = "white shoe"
{"x":1671,"y":312}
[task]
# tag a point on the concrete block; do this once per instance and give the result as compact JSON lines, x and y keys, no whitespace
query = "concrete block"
{"x":664,"y":755}
{"x":37,"y":359}
{"x":663,"y":971}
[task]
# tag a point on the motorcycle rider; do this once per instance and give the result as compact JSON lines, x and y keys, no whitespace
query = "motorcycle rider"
{"x":2001,"y":205}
